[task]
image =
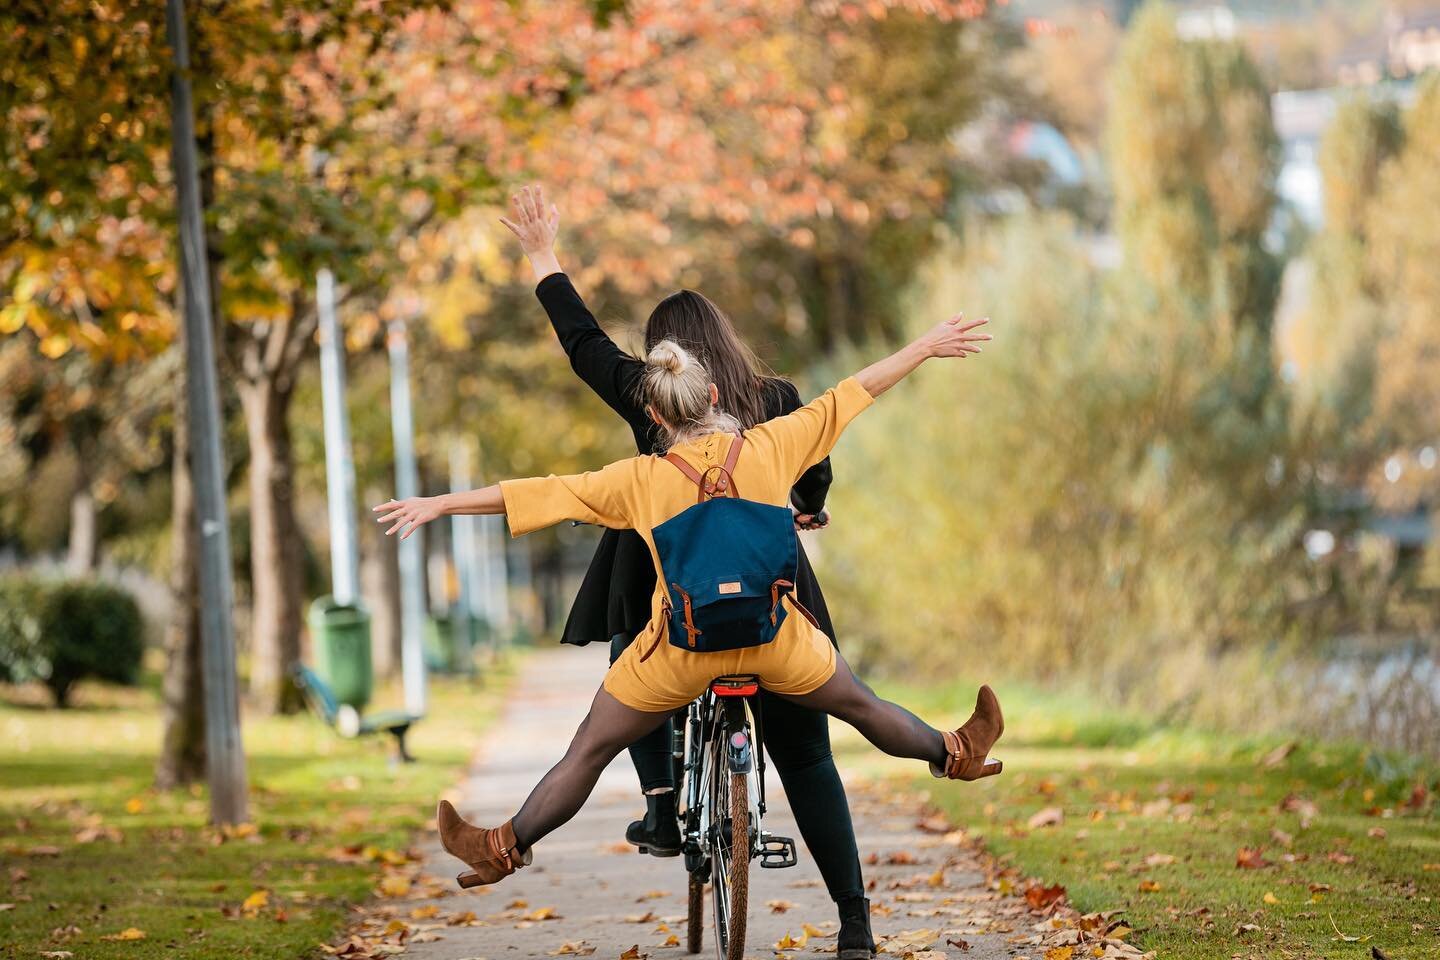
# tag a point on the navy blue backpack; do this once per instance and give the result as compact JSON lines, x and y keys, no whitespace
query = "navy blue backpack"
{"x":726,"y":563}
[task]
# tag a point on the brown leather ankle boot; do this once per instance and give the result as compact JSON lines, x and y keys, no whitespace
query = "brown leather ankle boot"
{"x":968,"y":747}
{"x":491,"y":854}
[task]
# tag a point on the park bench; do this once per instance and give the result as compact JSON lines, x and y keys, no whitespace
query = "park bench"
{"x":346,"y":720}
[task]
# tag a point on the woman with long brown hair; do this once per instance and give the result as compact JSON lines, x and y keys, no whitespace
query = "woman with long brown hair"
{"x":613,"y":603}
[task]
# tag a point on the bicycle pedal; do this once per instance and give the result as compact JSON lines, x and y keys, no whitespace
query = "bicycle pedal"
{"x":776,"y":853}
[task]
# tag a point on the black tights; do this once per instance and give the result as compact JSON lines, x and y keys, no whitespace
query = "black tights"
{"x":611,"y":726}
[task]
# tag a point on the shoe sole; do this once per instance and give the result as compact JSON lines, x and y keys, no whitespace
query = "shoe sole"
{"x":656,"y":851}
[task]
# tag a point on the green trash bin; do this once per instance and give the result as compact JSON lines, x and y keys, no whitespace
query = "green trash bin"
{"x":439,"y":643}
{"x":340,"y":638}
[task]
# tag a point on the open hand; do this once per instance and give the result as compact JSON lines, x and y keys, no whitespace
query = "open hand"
{"x":955,"y":337}
{"x":410,"y":514}
{"x":535,"y":223}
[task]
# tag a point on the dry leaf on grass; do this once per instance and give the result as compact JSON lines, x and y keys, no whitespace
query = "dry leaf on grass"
{"x":1250,"y":858}
{"x":1046,"y":817}
{"x":129,"y":933}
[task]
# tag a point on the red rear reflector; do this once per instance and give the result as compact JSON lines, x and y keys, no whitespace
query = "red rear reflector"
{"x":737,"y":740}
{"x":747,"y":690}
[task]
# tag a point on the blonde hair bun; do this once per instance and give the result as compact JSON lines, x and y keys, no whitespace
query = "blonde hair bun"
{"x":669,"y":356}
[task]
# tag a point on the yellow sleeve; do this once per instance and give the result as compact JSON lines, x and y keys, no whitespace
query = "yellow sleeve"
{"x":799,"y":440}
{"x":600,"y":496}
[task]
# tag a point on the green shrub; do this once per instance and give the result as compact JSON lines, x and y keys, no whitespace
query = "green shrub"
{"x":59,"y":632}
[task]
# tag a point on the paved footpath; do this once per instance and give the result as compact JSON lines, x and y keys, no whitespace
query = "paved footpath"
{"x":588,"y":892}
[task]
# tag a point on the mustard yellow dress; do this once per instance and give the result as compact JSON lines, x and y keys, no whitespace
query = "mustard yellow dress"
{"x":643,"y":492}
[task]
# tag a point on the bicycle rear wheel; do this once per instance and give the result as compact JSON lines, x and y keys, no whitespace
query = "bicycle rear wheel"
{"x":730,"y":865}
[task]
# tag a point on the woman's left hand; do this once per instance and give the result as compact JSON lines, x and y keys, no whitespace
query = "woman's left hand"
{"x":410,"y":514}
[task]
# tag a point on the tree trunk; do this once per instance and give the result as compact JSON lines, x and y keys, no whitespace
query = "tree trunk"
{"x":380,"y":588}
{"x":182,"y":746}
{"x":84,"y":550}
{"x":276,"y":553}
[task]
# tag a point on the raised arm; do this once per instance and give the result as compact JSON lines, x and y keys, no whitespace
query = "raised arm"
{"x":801,"y":439}
{"x":596,"y":359}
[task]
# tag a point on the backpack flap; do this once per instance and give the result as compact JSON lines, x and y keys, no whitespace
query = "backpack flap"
{"x":727,"y":562}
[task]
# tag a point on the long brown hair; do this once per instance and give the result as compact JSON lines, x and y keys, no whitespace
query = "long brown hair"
{"x":693,"y":321}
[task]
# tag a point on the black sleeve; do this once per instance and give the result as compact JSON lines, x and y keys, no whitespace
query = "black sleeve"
{"x":612,"y":373}
{"x":810,"y":490}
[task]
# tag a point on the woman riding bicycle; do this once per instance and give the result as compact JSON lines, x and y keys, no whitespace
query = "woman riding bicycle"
{"x":653,"y":678}
{"x":612,"y":605}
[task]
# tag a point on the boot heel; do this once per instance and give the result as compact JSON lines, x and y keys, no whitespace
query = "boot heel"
{"x":468,"y":879}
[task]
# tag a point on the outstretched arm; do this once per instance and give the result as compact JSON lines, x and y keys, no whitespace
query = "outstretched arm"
{"x":407,"y":516}
{"x":804,"y":437}
{"x":600,"y":497}
{"x":596,"y":359}
{"x":950,"y":338}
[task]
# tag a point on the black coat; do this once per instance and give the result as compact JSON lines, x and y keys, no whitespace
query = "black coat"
{"x":615,"y":595}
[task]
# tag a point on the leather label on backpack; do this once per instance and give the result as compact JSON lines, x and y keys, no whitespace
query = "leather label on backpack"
{"x":729,"y":587}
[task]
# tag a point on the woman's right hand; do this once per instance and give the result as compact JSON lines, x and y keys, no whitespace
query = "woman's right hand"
{"x":954,"y":337}
{"x":534,"y":223}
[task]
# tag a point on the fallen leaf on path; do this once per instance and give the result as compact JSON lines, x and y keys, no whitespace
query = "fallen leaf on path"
{"x":962,"y":945}
{"x":394,"y":885}
{"x":937,"y":879}
{"x":463,"y":919}
{"x":788,"y":942}
{"x":572,"y":948}
{"x":544,"y":913}
{"x":779,"y":906}
{"x":129,"y":933}
{"x":426,"y":936}
{"x":811,"y":930}
{"x":908,"y":941}
{"x":619,"y":846}
{"x":1059,"y":953}
{"x":633,"y":953}
{"x":935,"y":824}
{"x":425,"y":912}
{"x":1040,"y":898}
{"x":652,"y":895}
{"x":518,"y":905}
{"x":649,"y":916}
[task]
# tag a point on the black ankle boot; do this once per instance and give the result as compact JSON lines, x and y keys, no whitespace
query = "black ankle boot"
{"x":659,"y":833}
{"x":855,"y":941}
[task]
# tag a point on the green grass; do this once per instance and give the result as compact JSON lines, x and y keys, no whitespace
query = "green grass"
{"x":1131,"y":790}
{"x":326,"y":812}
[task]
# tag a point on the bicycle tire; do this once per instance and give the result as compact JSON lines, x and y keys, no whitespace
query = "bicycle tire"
{"x":730,"y":874}
{"x":695,"y":916}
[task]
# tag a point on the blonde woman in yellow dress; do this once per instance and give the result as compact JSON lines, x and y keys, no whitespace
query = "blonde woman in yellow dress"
{"x":654,"y":678}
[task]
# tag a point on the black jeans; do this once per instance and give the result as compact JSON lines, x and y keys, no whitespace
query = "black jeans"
{"x":798,"y":742}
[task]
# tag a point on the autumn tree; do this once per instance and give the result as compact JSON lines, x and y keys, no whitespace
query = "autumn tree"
{"x":1404,"y":250}
{"x":1193,"y":155}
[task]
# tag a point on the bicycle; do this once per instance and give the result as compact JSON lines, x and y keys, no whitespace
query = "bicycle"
{"x":723,"y":782}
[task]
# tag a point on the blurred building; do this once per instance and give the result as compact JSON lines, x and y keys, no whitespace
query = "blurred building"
{"x":1406,"y":45}
{"x":1301,"y":118}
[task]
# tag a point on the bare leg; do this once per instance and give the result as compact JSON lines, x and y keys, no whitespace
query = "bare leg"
{"x":887,"y":725}
{"x":609,"y":728}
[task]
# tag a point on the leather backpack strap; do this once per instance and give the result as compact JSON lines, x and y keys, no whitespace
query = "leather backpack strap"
{"x":690,"y":472}
{"x":733,"y":455}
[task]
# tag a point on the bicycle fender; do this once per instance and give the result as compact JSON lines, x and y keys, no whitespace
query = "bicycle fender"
{"x":738,"y":754}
